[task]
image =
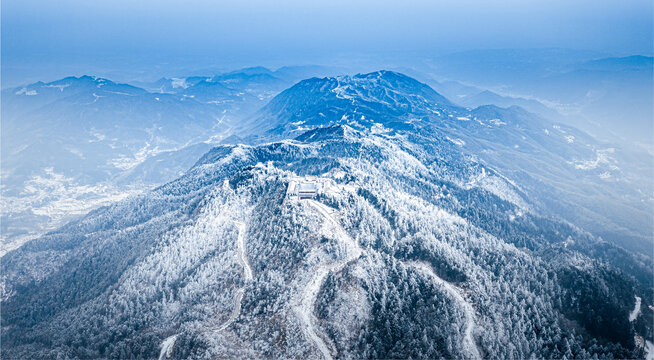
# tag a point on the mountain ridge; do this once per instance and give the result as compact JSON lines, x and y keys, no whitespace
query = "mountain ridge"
{"x":506,"y":138}
{"x":415,"y":243}
{"x":404,"y":211}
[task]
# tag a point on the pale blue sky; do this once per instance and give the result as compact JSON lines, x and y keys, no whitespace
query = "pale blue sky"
{"x":43,"y":33}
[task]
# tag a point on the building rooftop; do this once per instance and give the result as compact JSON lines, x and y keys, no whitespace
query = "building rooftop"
{"x":307,"y":187}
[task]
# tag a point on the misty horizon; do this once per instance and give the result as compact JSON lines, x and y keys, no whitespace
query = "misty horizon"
{"x":146,"y":39}
{"x":327,"y":179}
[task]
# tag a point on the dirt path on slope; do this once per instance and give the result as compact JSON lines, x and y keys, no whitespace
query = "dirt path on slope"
{"x":468,"y":339}
{"x":305,"y":305}
{"x":247,"y":271}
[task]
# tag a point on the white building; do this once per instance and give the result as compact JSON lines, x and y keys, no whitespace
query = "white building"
{"x":307,"y":187}
{"x":306,"y":190}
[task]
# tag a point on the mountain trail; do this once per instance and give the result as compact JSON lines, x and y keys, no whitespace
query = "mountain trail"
{"x":468,"y":339}
{"x":247,"y":271}
{"x":305,"y":304}
{"x":169,"y":342}
{"x":167,"y":347}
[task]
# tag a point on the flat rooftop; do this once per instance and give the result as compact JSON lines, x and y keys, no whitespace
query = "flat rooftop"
{"x":307,"y":187}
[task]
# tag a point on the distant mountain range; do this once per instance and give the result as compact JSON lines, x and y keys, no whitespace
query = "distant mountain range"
{"x":610,"y":96}
{"x":432,"y":231}
{"x":472,"y":97}
{"x":71,"y":145}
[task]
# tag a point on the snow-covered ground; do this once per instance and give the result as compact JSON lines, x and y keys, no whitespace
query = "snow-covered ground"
{"x":167,"y":347}
{"x":58,"y":198}
{"x":247,"y":271}
{"x":304,"y":305}
{"x":636,"y":311}
{"x":238,"y":298}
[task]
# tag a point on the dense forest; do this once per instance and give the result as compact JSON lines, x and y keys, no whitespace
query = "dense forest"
{"x":410,"y":248}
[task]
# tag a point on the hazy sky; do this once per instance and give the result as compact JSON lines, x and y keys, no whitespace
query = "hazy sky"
{"x":45,"y":33}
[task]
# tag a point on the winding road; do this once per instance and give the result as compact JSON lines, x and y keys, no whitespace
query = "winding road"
{"x":247,"y":272}
{"x":168,"y":343}
{"x":305,"y":304}
{"x":247,"y":269}
{"x":468,"y":339}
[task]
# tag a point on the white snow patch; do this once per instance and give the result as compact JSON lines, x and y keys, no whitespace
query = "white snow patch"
{"x":339,"y":174}
{"x":96,"y":97}
{"x":60,"y":87}
{"x":126,"y":162}
{"x":24,"y":91}
{"x":97,"y":135}
{"x":601,"y":157}
{"x":57,"y":194}
{"x":167,"y":347}
{"x":496,"y":122}
{"x":178,"y":83}
{"x":59,"y":198}
{"x":77,"y":152}
{"x":378,"y":128}
{"x":456,"y":141}
{"x":636,"y":311}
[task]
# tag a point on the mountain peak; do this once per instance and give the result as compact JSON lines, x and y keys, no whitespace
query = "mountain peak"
{"x":386,"y":75}
{"x":83,"y":79}
{"x":360,"y":100}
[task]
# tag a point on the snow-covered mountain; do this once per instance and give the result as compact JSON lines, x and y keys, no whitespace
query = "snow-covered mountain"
{"x":610,"y":96}
{"x":322,"y":101}
{"x":74,"y":144}
{"x":369,"y":217}
{"x":565,"y":171}
{"x":472,"y":97}
{"x":237,"y":88}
